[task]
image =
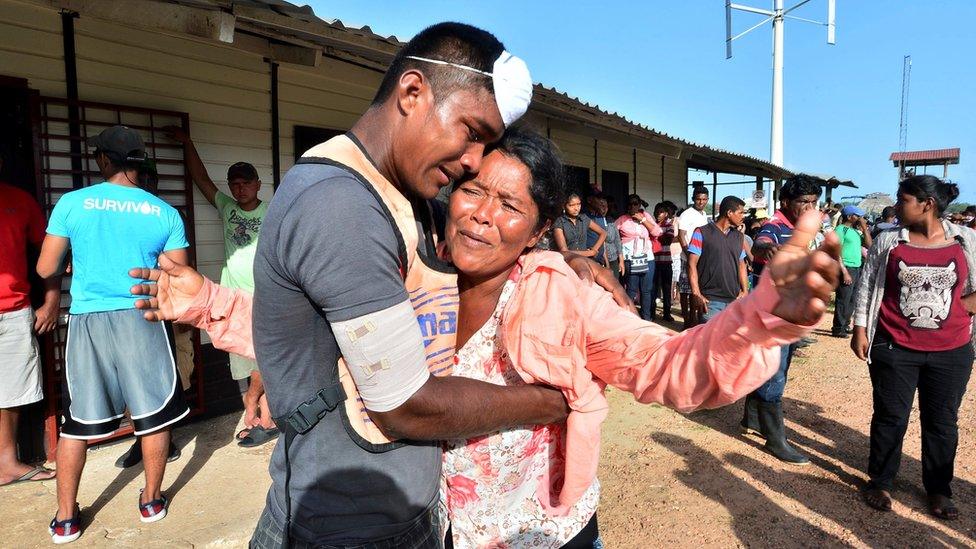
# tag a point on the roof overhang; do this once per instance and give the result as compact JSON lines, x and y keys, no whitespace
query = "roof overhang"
{"x":286,"y":33}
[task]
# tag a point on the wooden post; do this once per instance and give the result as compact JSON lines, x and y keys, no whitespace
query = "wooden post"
{"x":714,"y":195}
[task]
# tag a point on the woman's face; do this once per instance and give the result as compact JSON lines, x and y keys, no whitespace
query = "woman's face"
{"x":573,"y":206}
{"x":910,"y":210}
{"x":492,"y":218}
{"x":633,"y":206}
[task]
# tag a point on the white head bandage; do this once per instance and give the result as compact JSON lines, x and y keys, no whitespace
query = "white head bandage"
{"x":511,"y":81}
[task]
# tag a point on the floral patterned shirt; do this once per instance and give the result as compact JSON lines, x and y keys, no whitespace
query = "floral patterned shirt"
{"x":489,"y":483}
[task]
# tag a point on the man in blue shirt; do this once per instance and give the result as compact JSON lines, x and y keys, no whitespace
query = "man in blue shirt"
{"x":114,"y":360}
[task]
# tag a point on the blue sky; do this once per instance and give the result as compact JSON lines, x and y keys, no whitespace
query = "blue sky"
{"x":662,"y":63}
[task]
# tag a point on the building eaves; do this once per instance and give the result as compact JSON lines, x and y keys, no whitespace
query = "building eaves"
{"x":286,"y":21}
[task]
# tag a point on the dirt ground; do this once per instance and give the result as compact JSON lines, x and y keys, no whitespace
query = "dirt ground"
{"x":668,"y":480}
{"x":672,"y":480}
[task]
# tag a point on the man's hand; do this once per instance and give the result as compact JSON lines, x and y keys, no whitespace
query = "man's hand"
{"x":591,"y":271}
{"x":176,"y":286}
{"x":805,"y":279}
{"x":176,"y":134}
{"x":699,"y":302}
{"x":859,"y":342}
{"x":46,"y":318}
{"x":764,"y":251}
{"x":848,"y":279}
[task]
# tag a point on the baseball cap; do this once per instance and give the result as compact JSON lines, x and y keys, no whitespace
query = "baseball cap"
{"x":242,"y":170}
{"x":121,"y":141}
{"x":852,"y":210}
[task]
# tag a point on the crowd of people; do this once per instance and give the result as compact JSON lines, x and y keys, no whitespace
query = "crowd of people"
{"x":435,"y":375}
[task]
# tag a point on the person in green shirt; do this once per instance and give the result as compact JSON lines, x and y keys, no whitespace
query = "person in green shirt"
{"x":241,"y":214}
{"x":854,"y":235}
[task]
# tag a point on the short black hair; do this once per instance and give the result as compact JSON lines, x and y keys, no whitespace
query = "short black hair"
{"x":542,"y":158}
{"x":800,"y":185}
{"x":451,"y":42}
{"x":730,"y":204}
{"x":923,"y":187}
{"x":118,"y":164}
{"x":699,"y":189}
{"x":888,"y":212}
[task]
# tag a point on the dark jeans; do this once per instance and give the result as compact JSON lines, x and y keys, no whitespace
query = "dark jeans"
{"x":772,"y":390}
{"x":844,"y":303}
{"x":424,"y":533}
{"x":641,"y":284}
{"x":941,"y":379}
{"x":663,"y":272}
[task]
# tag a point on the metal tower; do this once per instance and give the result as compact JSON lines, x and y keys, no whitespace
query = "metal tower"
{"x":906,"y":82}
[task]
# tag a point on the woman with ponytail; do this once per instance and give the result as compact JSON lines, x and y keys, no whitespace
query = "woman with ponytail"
{"x":913,"y":324}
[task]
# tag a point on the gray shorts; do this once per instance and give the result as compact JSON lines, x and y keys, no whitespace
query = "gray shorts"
{"x":116,"y":360}
{"x":20,"y":365}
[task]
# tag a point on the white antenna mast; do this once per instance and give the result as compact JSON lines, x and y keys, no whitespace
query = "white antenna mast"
{"x":906,"y":82}
{"x":777,"y":16}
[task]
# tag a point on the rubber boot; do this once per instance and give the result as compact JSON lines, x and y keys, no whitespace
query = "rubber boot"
{"x":750,"y":417}
{"x":771,"y":426}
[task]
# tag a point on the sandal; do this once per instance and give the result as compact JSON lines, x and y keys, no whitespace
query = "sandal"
{"x":257,"y":436}
{"x":942,"y":507}
{"x":877,"y":498}
{"x":31,"y":476}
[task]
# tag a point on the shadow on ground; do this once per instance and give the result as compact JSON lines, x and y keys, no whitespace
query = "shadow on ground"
{"x":827,"y":487}
{"x":204,"y":443}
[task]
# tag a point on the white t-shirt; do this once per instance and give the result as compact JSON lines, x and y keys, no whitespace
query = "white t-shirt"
{"x":688,"y":221}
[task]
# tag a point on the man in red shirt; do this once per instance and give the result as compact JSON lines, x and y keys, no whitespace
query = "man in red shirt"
{"x":21,"y":224}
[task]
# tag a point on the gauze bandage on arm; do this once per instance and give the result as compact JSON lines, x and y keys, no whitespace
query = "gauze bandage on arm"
{"x":384,"y":352}
{"x":511,"y":82}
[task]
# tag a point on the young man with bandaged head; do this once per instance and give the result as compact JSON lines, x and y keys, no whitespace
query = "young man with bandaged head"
{"x":346,"y":267}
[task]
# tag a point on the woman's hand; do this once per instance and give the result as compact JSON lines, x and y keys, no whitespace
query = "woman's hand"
{"x":859,"y":342}
{"x":176,"y":286}
{"x":804,"y":279}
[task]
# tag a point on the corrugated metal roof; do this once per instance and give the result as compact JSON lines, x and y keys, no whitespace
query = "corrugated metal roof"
{"x":935,"y":155}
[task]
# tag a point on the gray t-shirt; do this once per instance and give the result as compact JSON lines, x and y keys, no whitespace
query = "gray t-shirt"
{"x":575,"y":233}
{"x":328,"y":253}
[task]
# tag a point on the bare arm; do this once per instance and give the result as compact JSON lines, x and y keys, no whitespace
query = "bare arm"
{"x":46,"y":318}
{"x":179,"y":256}
{"x":560,"y":238}
{"x":699,"y":300}
{"x":53,"y":252}
{"x":682,"y":236}
{"x":743,"y":278}
{"x":866,"y":238}
{"x":198,"y":172}
{"x":601,"y":236}
{"x":457,"y":407}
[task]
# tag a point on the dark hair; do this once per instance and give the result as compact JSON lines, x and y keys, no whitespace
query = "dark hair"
{"x":637,"y":197}
{"x":699,"y":189}
{"x":730,"y":204}
{"x":542,"y":158}
{"x":451,"y":42}
{"x":661,"y":207}
{"x":800,"y":185}
{"x":887,"y":212}
{"x":923,"y":187}
{"x":118,"y":164}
